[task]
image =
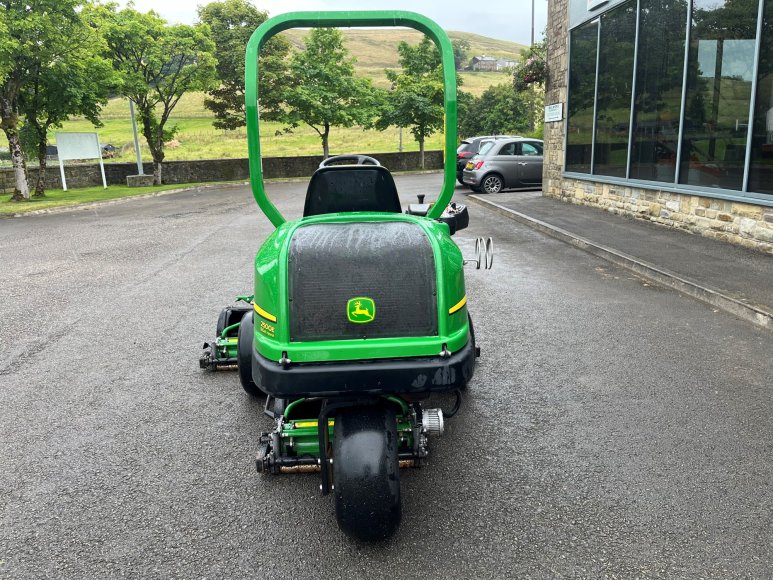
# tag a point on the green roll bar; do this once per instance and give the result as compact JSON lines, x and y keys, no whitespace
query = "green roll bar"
{"x":358,"y":18}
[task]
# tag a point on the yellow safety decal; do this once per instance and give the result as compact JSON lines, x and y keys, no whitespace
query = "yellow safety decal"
{"x":458,"y":306}
{"x":300,"y":424}
{"x":264,"y":314}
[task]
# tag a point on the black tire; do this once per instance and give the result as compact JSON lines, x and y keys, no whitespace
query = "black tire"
{"x":366,"y":473}
{"x":244,"y":356}
{"x":475,"y":188}
{"x":492,"y":183}
{"x":472,"y":339}
{"x":221,"y":320}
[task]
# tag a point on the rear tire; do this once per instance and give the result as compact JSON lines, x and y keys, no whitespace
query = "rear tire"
{"x":366,"y":473}
{"x":492,"y":183}
{"x":244,"y":356}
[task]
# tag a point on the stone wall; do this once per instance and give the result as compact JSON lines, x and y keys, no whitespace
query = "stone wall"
{"x":743,"y":224}
{"x":88,"y":174}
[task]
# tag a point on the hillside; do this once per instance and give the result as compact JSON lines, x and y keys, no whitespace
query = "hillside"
{"x":376,"y":49}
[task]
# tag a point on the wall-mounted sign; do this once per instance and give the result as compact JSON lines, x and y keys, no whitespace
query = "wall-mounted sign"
{"x":554,"y":112}
{"x":593,"y":4}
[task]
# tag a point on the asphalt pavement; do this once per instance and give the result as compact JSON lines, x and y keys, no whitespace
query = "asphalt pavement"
{"x":614,"y":427}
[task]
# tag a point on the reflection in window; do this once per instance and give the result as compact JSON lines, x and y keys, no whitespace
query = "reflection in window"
{"x":582,"y":88}
{"x":613,"y":103}
{"x":761,"y":169}
{"x":658,"y":100}
{"x":531,"y":149}
{"x":719,"y":81}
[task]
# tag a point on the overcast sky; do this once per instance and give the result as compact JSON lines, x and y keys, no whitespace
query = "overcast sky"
{"x":504,"y":19}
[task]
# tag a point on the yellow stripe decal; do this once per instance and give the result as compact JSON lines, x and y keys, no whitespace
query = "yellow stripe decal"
{"x":264,"y":314}
{"x":458,"y":306}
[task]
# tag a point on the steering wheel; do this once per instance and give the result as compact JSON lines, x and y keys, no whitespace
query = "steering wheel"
{"x":352,"y":159}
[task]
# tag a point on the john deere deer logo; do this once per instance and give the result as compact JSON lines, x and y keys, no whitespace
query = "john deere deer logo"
{"x":361,"y":310}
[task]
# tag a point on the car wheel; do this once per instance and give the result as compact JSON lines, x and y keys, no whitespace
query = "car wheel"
{"x":474,"y":188}
{"x":492,"y":184}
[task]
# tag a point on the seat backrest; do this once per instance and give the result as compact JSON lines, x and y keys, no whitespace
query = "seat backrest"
{"x":346,"y":188}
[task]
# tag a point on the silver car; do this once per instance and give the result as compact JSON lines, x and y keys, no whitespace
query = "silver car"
{"x":507,"y":163}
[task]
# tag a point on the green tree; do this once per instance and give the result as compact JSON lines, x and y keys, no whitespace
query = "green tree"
{"x":232,"y":22}
{"x":323,"y":91}
{"x":500,"y":110}
{"x":157,"y":63}
{"x":461,"y":49}
{"x":416,"y":96}
{"x":77,"y":83}
{"x":32,"y":40}
{"x":529,"y":79}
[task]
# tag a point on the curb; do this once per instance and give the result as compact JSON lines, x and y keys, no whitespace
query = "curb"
{"x":96,"y":204}
{"x":660,"y":275}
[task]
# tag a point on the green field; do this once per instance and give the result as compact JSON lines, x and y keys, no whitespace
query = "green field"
{"x":374,"y":49}
{"x":197,"y":139}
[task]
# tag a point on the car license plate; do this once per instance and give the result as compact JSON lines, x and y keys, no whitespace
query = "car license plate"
{"x":469,"y":165}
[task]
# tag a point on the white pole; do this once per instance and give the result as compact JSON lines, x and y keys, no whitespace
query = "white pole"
{"x":140,"y":169}
{"x":102,"y":169}
{"x":61,"y":171}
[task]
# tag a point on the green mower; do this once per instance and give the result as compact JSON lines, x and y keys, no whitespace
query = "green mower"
{"x":358,"y":313}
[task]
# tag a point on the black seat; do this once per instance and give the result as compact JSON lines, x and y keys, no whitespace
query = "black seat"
{"x":347,"y":188}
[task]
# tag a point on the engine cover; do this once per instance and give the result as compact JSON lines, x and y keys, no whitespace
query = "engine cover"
{"x":388,"y":267}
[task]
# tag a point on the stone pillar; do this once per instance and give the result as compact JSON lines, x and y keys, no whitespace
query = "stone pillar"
{"x":555,"y":92}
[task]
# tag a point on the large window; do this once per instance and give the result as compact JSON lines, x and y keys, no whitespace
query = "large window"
{"x":692,"y":70}
{"x":719,"y":81}
{"x":658,"y":101}
{"x":613,"y":102}
{"x":761,"y":169}
{"x":582,"y":94}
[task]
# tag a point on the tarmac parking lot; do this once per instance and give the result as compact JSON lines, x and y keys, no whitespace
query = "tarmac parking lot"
{"x":613,"y":428}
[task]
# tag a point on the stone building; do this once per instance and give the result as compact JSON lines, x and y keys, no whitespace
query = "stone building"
{"x":666,"y":112}
{"x":483,"y":62}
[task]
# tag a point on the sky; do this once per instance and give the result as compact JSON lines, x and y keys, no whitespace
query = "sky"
{"x":502,"y":19}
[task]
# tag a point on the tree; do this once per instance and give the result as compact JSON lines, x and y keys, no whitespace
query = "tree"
{"x":529,"y":78}
{"x":157,"y":64}
{"x":323,"y":91}
{"x":500,"y":110}
{"x":461,"y":49}
{"x":77,"y":83}
{"x":416,"y":98}
{"x":232,"y":22}
{"x":31,"y":40}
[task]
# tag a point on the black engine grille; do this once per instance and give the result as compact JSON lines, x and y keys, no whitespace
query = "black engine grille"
{"x":390,"y":262}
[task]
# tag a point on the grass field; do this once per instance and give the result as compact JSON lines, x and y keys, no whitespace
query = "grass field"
{"x":375,"y":50}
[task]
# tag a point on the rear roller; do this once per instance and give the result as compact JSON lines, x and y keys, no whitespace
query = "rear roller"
{"x":366,"y":474}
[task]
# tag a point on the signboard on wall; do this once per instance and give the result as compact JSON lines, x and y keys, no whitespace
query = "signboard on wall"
{"x":554,"y":112}
{"x":78,"y":146}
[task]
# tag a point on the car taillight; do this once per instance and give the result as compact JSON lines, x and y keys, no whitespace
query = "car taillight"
{"x":463,"y":155}
{"x":478,"y":165}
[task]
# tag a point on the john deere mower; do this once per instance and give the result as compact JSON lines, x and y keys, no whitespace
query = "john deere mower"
{"x":358,"y":313}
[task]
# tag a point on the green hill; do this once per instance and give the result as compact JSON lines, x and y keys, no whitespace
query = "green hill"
{"x":376,"y":49}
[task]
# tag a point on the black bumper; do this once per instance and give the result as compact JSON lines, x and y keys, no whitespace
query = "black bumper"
{"x":392,"y":376}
